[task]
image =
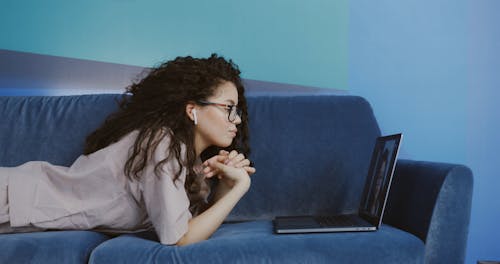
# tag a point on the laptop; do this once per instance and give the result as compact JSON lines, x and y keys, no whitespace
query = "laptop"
{"x":373,"y":200}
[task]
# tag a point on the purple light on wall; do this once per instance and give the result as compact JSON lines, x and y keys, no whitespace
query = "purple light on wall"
{"x":24,"y":73}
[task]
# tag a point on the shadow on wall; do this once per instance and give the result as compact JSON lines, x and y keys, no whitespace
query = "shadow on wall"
{"x":24,"y":73}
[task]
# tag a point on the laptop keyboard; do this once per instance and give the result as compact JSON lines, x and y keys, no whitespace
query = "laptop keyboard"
{"x":339,"y":220}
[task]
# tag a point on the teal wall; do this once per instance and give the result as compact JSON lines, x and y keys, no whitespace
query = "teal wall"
{"x":278,"y":41}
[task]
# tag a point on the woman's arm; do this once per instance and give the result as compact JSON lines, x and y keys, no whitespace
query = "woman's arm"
{"x":204,"y":225}
{"x":221,"y":190}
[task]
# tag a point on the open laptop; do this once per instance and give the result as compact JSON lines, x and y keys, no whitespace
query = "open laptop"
{"x":373,"y":200}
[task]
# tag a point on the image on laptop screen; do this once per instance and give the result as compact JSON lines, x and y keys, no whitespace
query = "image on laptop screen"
{"x":372,"y":203}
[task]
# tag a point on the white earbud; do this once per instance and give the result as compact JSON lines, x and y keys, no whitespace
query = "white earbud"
{"x":194,"y":116}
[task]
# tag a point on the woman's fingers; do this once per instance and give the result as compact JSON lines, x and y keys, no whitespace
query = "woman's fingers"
{"x":229,"y":172}
{"x":231,"y":155}
{"x":221,"y":167}
{"x":249,"y":170}
{"x":231,"y":159}
{"x":235,"y":159}
{"x":228,"y":158}
{"x":242,"y":163}
{"x":206,"y":170}
{"x":210,"y":174}
{"x":219,"y":158}
{"x":209,"y":171}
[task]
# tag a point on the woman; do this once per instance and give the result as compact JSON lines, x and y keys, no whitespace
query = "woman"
{"x":142,"y":168}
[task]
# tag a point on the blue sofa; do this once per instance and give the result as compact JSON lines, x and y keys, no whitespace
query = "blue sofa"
{"x":311,"y":154}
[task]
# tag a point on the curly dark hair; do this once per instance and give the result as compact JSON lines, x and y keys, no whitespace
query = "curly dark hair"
{"x":157,"y":102}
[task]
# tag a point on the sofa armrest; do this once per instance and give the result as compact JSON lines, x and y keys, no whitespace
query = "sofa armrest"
{"x":433,"y":202}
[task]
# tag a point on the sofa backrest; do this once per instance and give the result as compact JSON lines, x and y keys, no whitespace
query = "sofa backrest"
{"x":311,"y":152}
{"x":49,"y":128}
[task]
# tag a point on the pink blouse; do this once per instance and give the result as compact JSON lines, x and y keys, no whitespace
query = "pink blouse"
{"x":94,"y":193}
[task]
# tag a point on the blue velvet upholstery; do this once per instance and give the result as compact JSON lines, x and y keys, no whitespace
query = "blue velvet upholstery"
{"x":432,"y":201}
{"x":52,"y":129}
{"x":254,"y":242}
{"x":49,"y":247}
{"x":311,"y":155}
{"x":300,"y":146}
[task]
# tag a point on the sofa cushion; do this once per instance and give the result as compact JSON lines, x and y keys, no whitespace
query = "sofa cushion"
{"x":49,"y":247}
{"x":254,"y":242}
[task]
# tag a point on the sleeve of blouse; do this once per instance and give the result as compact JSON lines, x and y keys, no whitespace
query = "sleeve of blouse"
{"x":165,"y":199}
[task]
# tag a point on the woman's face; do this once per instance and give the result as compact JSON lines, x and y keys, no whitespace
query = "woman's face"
{"x":214,"y":127}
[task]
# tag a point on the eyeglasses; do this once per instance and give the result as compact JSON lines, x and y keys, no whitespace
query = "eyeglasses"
{"x":232,"y":110}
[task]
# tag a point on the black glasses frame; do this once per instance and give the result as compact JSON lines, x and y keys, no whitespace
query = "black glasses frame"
{"x":232,"y":110}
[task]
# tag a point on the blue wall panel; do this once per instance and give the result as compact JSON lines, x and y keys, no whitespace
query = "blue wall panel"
{"x":430,"y":69}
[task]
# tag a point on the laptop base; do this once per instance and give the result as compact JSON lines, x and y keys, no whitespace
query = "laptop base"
{"x":321,"y":224}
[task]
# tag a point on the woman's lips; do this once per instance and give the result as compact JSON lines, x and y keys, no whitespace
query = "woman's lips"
{"x":233,"y":133}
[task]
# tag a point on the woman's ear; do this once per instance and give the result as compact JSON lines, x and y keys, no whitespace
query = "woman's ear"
{"x":191,"y":112}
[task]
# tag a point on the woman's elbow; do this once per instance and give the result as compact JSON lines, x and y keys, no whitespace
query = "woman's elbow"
{"x":182,"y":241}
{"x":185,"y":240}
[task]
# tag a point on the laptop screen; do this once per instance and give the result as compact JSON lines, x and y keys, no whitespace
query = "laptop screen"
{"x":379,"y":178}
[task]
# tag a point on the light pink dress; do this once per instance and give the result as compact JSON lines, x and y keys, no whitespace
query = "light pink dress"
{"x":94,"y":193}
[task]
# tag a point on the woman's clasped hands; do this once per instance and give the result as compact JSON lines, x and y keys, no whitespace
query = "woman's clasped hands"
{"x":231,"y":168}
